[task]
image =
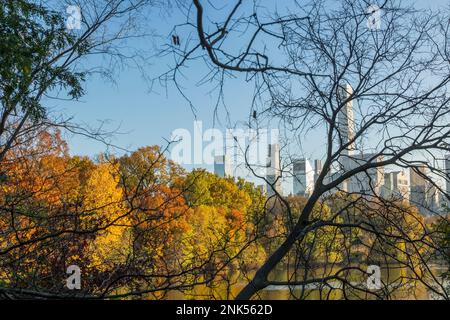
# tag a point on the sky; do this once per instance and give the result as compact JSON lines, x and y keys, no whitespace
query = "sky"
{"x":146,"y":114}
{"x":147,"y":117}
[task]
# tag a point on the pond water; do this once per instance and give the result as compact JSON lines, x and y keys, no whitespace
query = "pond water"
{"x":397,"y":284}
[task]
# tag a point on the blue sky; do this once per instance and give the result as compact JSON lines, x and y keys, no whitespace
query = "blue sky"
{"x":148,"y":118}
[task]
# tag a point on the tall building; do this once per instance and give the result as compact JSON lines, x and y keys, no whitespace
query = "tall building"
{"x":303,"y":177}
{"x":369,"y":182}
{"x":317,"y":169}
{"x":432,"y":198}
{"x":418,"y":186}
{"x":345,"y":122}
{"x":345,"y":128}
{"x":396,"y":186}
{"x":424,"y":194}
{"x":222,"y":166}
{"x":273,"y":175}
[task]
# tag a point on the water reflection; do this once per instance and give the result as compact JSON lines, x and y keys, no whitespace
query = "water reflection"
{"x":398,"y":283}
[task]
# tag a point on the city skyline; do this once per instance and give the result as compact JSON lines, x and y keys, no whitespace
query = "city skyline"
{"x":409,"y":186}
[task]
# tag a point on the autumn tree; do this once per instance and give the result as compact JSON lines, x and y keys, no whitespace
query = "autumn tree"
{"x":224,"y":228}
{"x":44,"y":192}
{"x":309,"y":65}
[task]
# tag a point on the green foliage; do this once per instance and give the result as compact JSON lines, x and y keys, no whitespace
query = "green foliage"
{"x":32,"y":39}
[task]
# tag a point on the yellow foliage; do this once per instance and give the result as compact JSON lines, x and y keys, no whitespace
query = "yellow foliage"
{"x":104,"y":203}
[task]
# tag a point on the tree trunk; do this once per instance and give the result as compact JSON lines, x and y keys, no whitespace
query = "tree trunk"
{"x":260,"y":280}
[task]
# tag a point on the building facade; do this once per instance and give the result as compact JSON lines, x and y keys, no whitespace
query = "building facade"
{"x":396,"y":186}
{"x":303,"y":177}
{"x":222,"y":166}
{"x":273,"y":175}
{"x":345,"y":121}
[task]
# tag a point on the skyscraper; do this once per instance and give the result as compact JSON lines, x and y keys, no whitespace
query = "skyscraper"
{"x":419,"y":187}
{"x":345,"y":122}
{"x":345,"y":129}
{"x":273,"y":175}
{"x":222,"y":166}
{"x":432,"y":198}
{"x":317,"y":169}
{"x":396,"y":186}
{"x":369,"y":182}
{"x":303,"y":177}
